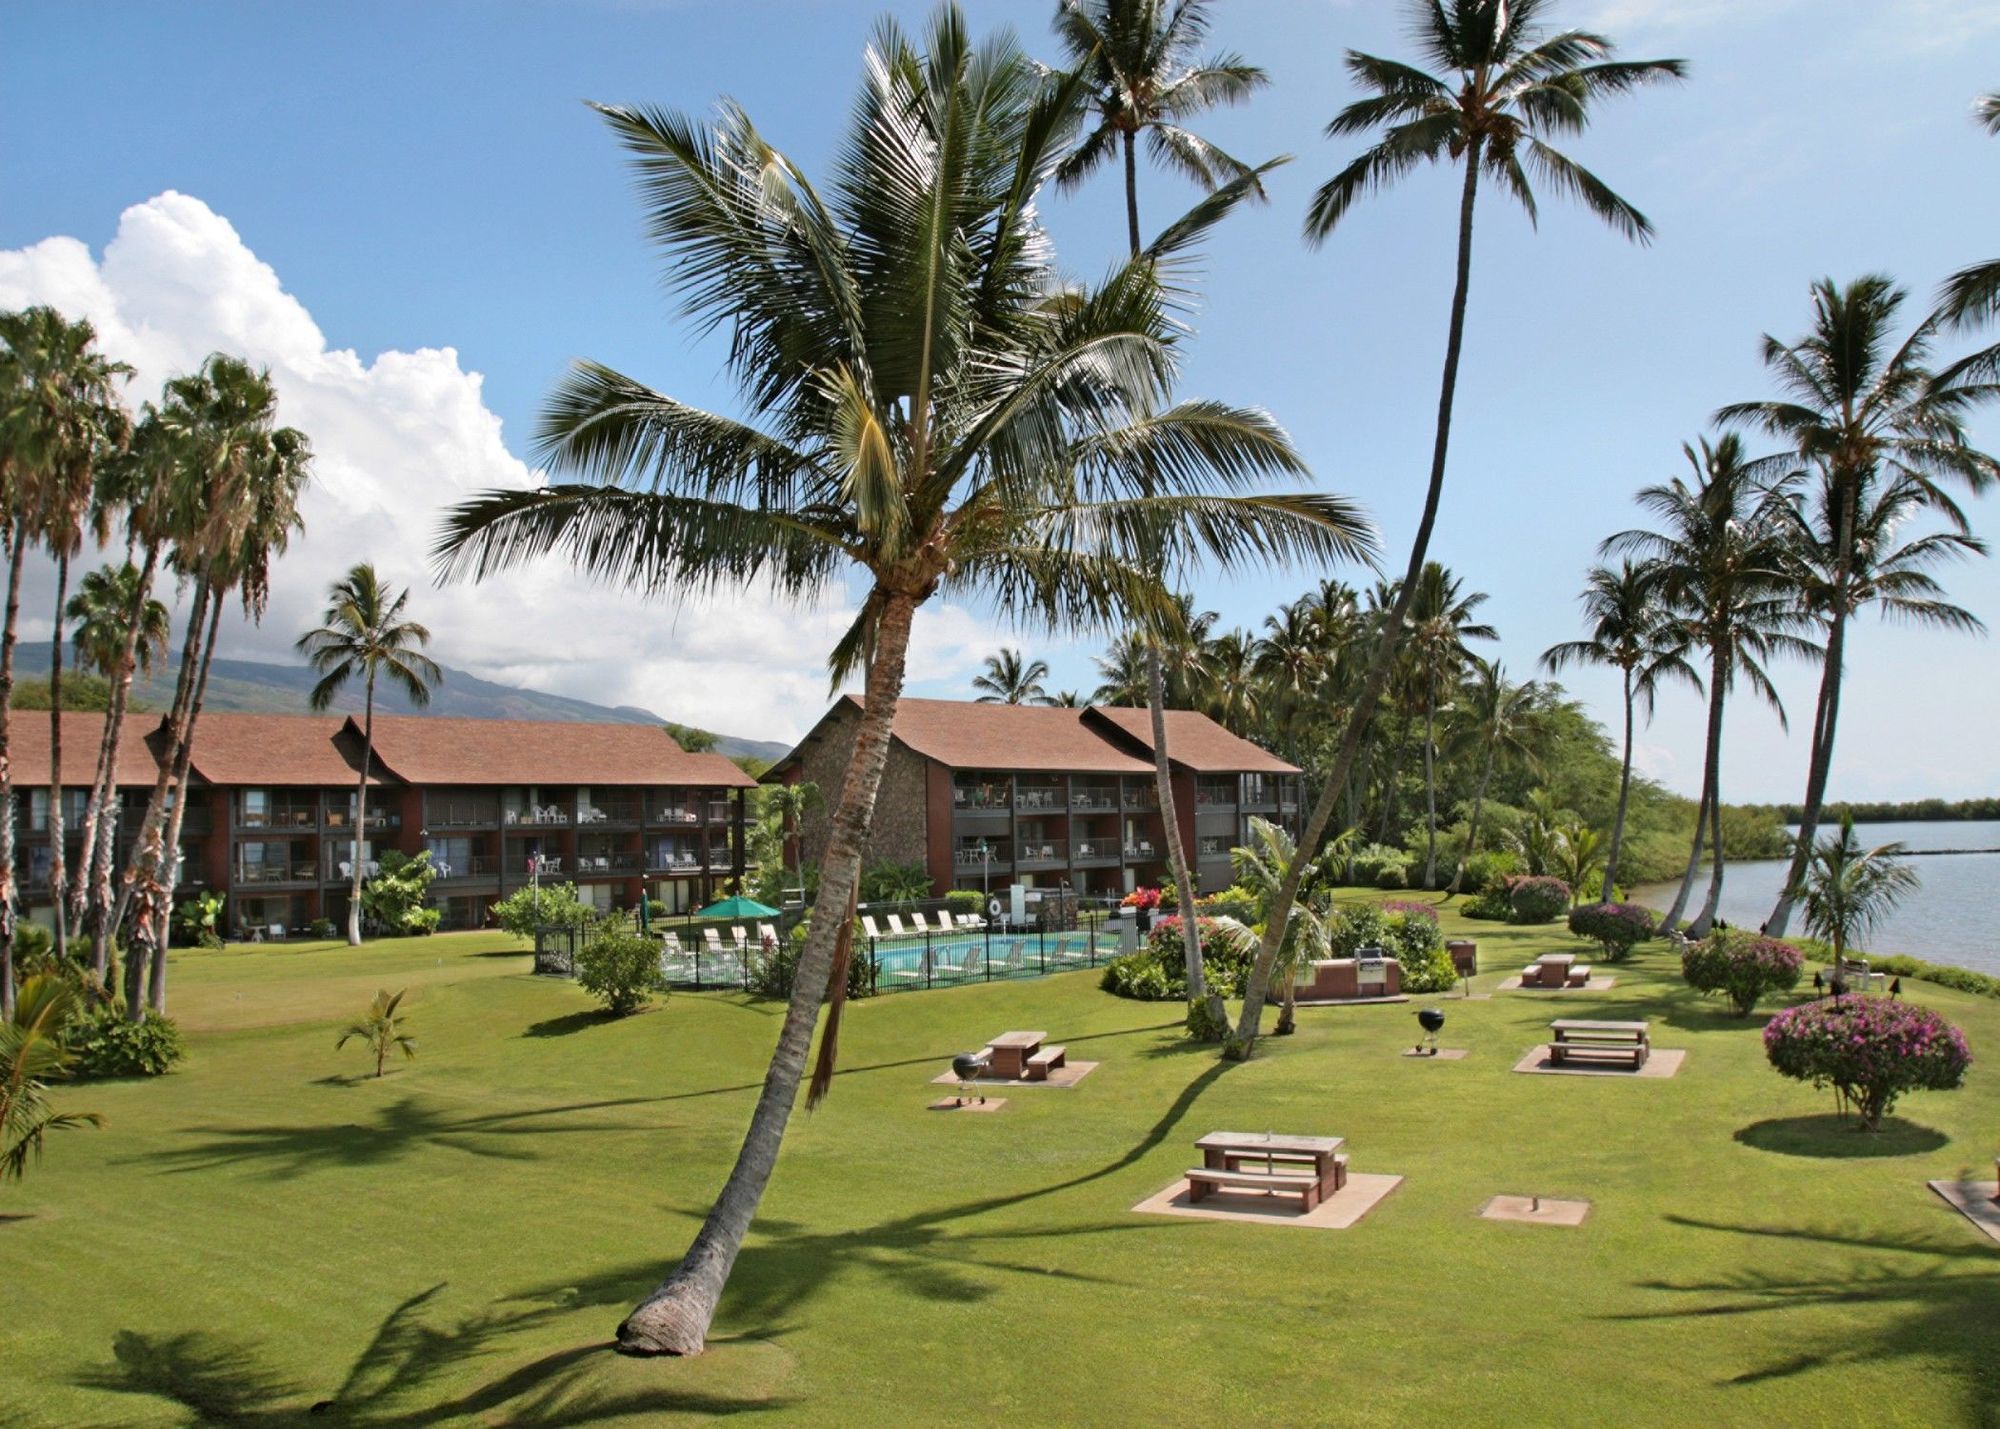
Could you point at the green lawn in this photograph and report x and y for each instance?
(454, 1243)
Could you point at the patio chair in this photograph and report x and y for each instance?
(896, 927)
(739, 940)
(971, 965)
(1016, 959)
(928, 966)
(868, 926)
(768, 936)
(968, 922)
(711, 941)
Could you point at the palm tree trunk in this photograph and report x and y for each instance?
(101, 818)
(13, 618)
(361, 815)
(1711, 765)
(1472, 831)
(1706, 918)
(1430, 786)
(156, 975)
(1624, 797)
(1132, 192)
(1163, 785)
(674, 1319)
(58, 873)
(1245, 1040)
(1392, 786)
(1820, 765)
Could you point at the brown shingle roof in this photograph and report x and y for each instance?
(434, 749)
(1194, 741)
(234, 748)
(965, 735)
(82, 733)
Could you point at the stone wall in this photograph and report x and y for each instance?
(897, 834)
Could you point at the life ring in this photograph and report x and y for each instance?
(993, 907)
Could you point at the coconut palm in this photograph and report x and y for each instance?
(116, 629)
(1260, 866)
(1136, 66)
(364, 634)
(1441, 621)
(1719, 566)
(31, 1053)
(922, 405)
(1507, 85)
(381, 1030)
(1012, 679)
(1578, 848)
(1972, 295)
(1861, 410)
(789, 804)
(1847, 890)
(1632, 635)
(1121, 671)
(1498, 724)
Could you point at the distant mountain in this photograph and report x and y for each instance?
(257, 687)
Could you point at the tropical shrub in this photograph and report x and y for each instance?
(393, 898)
(965, 900)
(1393, 875)
(1233, 902)
(1869, 1050)
(1139, 975)
(1144, 899)
(381, 1030)
(776, 971)
(1490, 869)
(323, 928)
(553, 905)
(621, 970)
(1536, 899)
(1413, 940)
(1490, 904)
(889, 882)
(103, 1044)
(197, 921)
(1157, 971)
(32, 1050)
(1617, 928)
(1408, 905)
(1742, 966)
(1369, 864)
(1354, 926)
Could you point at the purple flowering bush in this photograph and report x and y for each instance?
(1536, 899)
(1869, 1050)
(1616, 927)
(1409, 906)
(1742, 966)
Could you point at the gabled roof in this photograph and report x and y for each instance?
(435, 749)
(278, 749)
(1194, 741)
(82, 735)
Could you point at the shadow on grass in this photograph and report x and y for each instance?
(570, 1022)
(395, 1379)
(1931, 1315)
(1840, 1137)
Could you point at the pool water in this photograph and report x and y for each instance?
(901, 960)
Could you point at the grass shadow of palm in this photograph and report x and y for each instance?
(569, 1023)
(1841, 1138)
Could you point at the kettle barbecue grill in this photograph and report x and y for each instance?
(968, 1067)
(1431, 1019)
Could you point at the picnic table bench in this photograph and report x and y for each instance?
(1009, 1054)
(1614, 1041)
(1322, 1170)
(1556, 970)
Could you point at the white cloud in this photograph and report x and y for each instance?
(399, 438)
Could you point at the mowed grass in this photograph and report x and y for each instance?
(269, 1229)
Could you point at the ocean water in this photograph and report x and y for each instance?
(1951, 918)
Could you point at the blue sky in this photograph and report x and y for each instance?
(394, 198)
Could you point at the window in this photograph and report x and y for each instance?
(257, 808)
(38, 810)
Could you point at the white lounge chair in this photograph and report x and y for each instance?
(868, 926)
(896, 927)
(739, 940)
(927, 967)
(768, 937)
(712, 941)
(969, 921)
(971, 965)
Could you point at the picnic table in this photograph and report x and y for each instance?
(1309, 1166)
(1008, 1054)
(1625, 1041)
(1555, 970)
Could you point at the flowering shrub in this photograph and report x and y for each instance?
(1533, 899)
(1157, 972)
(1356, 925)
(1409, 906)
(1870, 1051)
(1414, 941)
(1742, 966)
(1616, 927)
(1146, 898)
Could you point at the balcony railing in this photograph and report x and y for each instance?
(997, 855)
(1215, 794)
(1142, 799)
(341, 870)
(1035, 797)
(608, 811)
(280, 816)
(982, 799)
(1142, 851)
(1105, 799)
(535, 816)
(673, 861)
(1215, 848)
(461, 813)
(551, 866)
(377, 820)
(480, 865)
(253, 873)
(1043, 851)
(604, 865)
(1096, 850)
(674, 811)
(720, 811)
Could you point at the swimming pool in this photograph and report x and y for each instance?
(902, 963)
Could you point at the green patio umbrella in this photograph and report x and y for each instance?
(737, 906)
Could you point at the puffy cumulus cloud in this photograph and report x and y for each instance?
(398, 439)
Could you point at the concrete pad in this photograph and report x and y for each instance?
(1351, 1001)
(1067, 1075)
(1975, 1201)
(1338, 1212)
(1535, 1210)
(1596, 984)
(954, 1104)
(1663, 1062)
(1443, 1054)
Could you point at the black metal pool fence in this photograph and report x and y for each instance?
(1059, 934)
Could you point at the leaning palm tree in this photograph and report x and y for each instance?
(1718, 565)
(1441, 621)
(1498, 728)
(1632, 635)
(364, 634)
(1010, 678)
(922, 404)
(1861, 410)
(1848, 890)
(31, 1052)
(1506, 84)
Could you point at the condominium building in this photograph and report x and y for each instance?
(270, 816)
(984, 796)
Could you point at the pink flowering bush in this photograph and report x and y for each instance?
(1616, 927)
(1410, 907)
(1869, 1050)
(1147, 898)
(1742, 966)
(1535, 899)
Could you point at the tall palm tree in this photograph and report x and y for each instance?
(1012, 679)
(922, 404)
(1140, 72)
(1631, 634)
(234, 507)
(1848, 889)
(1121, 671)
(1441, 621)
(1860, 409)
(1505, 84)
(1498, 721)
(116, 629)
(1719, 565)
(364, 634)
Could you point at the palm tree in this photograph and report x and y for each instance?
(1631, 634)
(1860, 410)
(1719, 567)
(1848, 890)
(1509, 83)
(789, 804)
(1499, 718)
(1540, 834)
(1577, 850)
(1010, 679)
(1121, 671)
(1972, 295)
(1068, 699)
(31, 1052)
(1440, 624)
(381, 1030)
(1260, 866)
(364, 633)
(923, 404)
(1137, 67)
(233, 508)
(116, 628)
